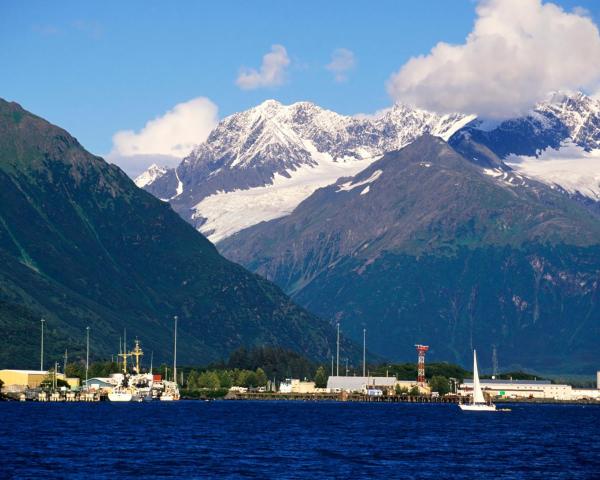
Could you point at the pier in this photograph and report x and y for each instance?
(341, 397)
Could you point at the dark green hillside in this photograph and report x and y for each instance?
(81, 245)
(426, 246)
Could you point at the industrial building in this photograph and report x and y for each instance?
(543, 389)
(359, 384)
(294, 385)
(19, 380)
(101, 383)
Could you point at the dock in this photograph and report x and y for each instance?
(340, 397)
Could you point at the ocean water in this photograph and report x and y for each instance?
(247, 439)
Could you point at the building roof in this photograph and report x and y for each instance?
(102, 382)
(26, 372)
(489, 381)
(358, 383)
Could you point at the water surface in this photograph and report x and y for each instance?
(247, 439)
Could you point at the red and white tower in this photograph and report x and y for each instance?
(421, 349)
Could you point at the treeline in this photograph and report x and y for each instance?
(276, 362)
(96, 369)
(215, 379)
(408, 371)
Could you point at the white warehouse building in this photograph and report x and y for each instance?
(529, 389)
(359, 384)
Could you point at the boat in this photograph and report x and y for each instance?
(119, 395)
(478, 403)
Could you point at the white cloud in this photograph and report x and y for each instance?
(165, 140)
(342, 61)
(271, 73)
(518, 51)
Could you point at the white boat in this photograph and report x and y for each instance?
(120, 396)
(478, 403)
(166, 397)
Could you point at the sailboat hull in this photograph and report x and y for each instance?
(477, 408)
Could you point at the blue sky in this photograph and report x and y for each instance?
(97, 67)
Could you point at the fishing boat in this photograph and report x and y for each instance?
(478, 403)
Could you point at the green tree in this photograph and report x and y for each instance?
(439, 384)
(414, 391)
(251, 380)
(209, 380)
(261, 378)
(320, 378)
(240, 377)
(192, 380)
(401, 390)
(225, 379)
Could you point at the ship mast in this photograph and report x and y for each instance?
(137, 353)
(125, 355)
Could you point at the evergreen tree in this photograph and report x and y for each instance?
(261, 378)
(321, 377)
(440, 384)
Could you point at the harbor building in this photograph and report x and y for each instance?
(541, 389)
(360, 384)
(19, 380)
(295, 385)
(101, 384)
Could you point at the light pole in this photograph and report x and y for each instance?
(87, 354)
(42, 347)
(175, 352)
(364, 351)
(337, 356)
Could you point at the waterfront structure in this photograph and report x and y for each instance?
(19, 380)
(540, 389)
(360, 384)
(295, 385)
(101, 383)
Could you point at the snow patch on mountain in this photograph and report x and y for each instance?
(148, 177)
(229, 212)
(570, 167)
(346, 187)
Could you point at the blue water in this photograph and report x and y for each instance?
(243, 439)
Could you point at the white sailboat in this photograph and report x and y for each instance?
(478, 403)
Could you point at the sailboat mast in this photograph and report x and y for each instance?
(175, 352)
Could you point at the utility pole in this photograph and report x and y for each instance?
(337, 357)
(346, 366)
(364, 351)
(175, 352)
(42, 348)
(87, 353)
(494, 361)
(65, 365)
(55, 379)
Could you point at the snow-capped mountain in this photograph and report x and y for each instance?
(558, 143)
(260, 164)
(153, 173)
